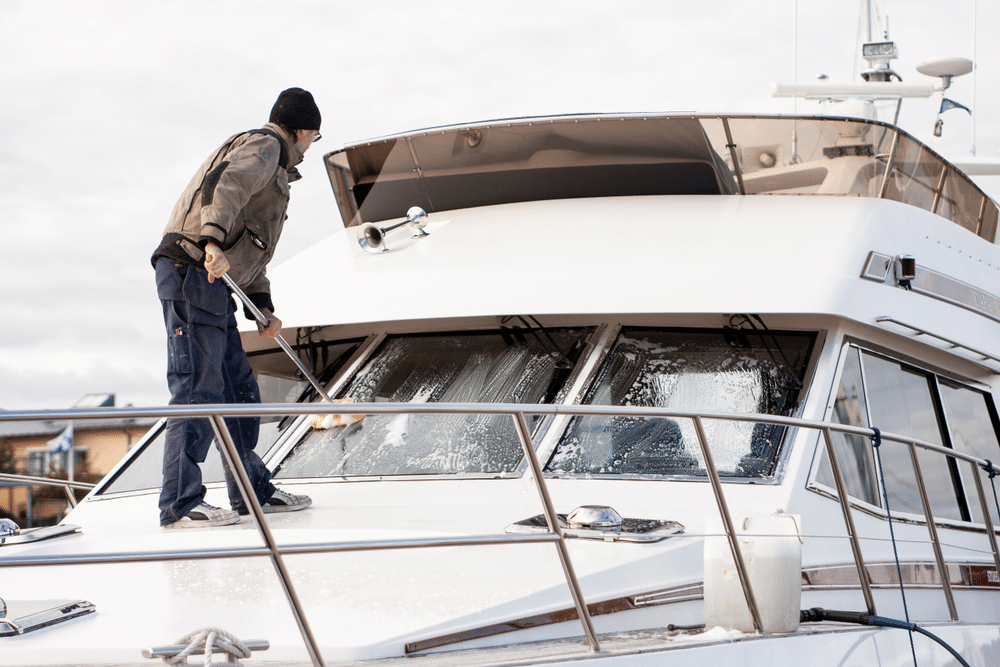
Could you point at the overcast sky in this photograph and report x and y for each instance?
(107, 107)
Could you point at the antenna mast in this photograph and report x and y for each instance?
(975, 59)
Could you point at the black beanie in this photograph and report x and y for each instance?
(296, 110)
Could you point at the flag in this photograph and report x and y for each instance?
(62, 442)
(951, 104)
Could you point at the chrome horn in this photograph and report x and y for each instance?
(371, 237)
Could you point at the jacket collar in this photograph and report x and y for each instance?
(294, 154)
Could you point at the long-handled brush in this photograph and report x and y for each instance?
(315, 421)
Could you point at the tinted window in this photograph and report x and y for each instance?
(854, 452)
(145, 470)
(970, 425)
(900, 399)
(900, 402)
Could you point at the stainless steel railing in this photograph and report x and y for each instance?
(517, 412)
(66, 485)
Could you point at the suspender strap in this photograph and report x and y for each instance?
(283, 158)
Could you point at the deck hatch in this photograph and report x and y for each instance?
(27, 616)
(630, 530)
(26, 535)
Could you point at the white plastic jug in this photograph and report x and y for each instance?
(772, 554)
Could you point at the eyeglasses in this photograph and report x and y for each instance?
(317, 137)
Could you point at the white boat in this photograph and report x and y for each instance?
(622, 378)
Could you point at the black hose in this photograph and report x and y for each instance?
(817, 614)
(903, 625)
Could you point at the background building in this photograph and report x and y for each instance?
(83, 451)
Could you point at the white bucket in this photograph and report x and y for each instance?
(772, 554)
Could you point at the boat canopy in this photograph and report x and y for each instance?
(567, 157)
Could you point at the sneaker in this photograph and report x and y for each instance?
(281, 501)
(205, 515)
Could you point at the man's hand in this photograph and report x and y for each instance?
(215, 261)
(273, 327)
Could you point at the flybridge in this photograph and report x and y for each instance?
(569, 157)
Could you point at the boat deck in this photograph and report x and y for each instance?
(559, 650)
(623, 644)
(716, 646)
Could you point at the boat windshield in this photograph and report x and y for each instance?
(741, 371)
(509, 366)
(737, 369)
(604, 156)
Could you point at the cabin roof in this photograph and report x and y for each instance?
(608, 256)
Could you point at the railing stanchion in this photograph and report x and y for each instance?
(727, 519)
(987, 517)
(524, 435)
(65, 485)
(932, 529)
(70, 496)
(852, 533)
(731, 145)
(250, 500)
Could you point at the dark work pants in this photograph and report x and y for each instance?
(205, 364)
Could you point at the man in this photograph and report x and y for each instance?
(228, 220)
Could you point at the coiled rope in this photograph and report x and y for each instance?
(213, 639)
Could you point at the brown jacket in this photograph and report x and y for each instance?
(238, 198)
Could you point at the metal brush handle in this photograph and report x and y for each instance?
(281, 341)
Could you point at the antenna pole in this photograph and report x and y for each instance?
(868, 20)
(795, 51)
(975, 59)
